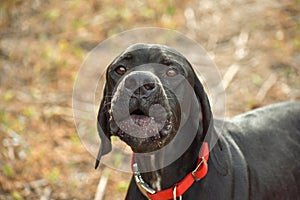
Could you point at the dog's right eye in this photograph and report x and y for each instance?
(120, 70)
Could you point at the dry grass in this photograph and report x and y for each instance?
(43, 44)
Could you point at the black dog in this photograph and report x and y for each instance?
(155, 103)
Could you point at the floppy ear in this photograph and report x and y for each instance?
(220, 154)
(103, 128)
(207, 119)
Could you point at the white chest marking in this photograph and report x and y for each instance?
(156, 177)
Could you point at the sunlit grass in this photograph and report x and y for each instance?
(53, 175)
(8, 171)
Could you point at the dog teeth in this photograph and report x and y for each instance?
(166, 131)
(169, 126)
(156, 137)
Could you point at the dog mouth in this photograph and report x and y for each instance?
(151, 128)
(140, 124)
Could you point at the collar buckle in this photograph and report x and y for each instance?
(203, 161)
(139, 180)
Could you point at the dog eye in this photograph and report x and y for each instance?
(120, 70)
(172, 72)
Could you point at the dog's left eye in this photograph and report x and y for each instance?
(171, 72)
(121, 70)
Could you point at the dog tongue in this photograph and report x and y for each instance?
(140, 126)
(141, 120)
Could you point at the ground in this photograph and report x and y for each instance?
(255, 45)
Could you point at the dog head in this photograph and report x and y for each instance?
(145, 99)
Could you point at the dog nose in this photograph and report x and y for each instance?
(142, 84)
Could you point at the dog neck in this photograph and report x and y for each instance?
(158, 176)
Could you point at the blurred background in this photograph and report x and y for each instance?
(255, 44)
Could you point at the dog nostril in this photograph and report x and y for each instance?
(149, 86)
(130, 83)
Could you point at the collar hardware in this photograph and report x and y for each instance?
(139, 180)
(203, 161)
(179, 188)
(174, 194)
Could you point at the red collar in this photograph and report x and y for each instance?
(179, 188)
